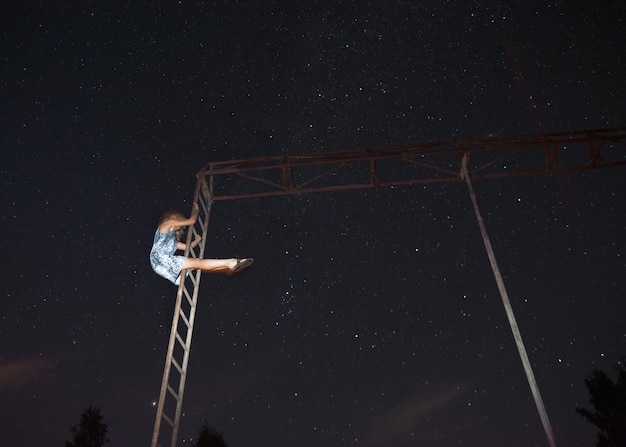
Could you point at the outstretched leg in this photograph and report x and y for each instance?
(229, 265)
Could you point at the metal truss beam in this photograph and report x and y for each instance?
(381, 167)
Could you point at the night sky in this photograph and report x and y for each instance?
(366, 321)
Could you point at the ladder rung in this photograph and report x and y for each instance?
(182, 343)
(172, 392)
(178, 367)
(193, 281)
(168, 420)
(184, 317)
(189, 300)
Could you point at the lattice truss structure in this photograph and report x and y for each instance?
(414, 164)
(446, 161)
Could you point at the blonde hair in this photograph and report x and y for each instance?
(173, 214)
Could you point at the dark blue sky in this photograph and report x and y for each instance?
(365, 321)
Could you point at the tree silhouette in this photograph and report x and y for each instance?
(210, 437)
(608, 399)
(90, 431)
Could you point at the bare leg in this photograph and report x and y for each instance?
(211, 265)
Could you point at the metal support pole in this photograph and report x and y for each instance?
(507, 306)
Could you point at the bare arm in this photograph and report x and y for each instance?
(169, 225)
(194, 243)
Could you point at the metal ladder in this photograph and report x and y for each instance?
(170, 403)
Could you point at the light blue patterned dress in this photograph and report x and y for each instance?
(162, 258)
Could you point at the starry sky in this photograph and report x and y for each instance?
(366, 321)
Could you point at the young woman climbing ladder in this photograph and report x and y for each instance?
(167, 240)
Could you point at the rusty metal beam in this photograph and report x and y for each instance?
(434, 162)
